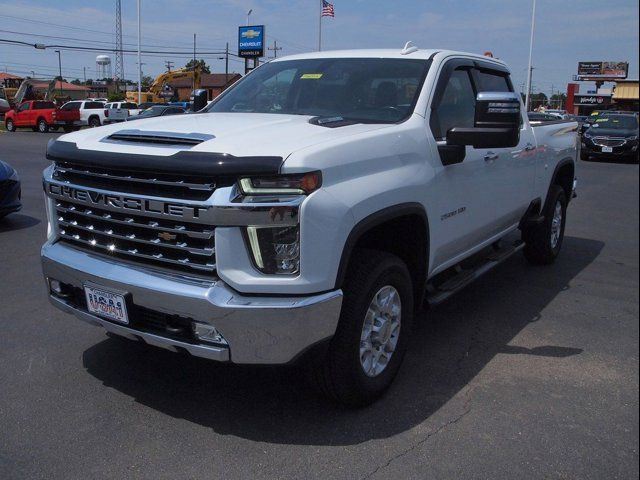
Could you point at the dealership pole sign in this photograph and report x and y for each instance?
(602, 70)
(251, 41)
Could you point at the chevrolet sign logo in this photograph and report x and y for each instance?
(250, 34)
(167, 236)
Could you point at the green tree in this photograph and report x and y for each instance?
(76, 81)
(201, 64)
(116, 97)
(147, 81)
(558, 100)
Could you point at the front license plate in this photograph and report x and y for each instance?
(607, 149)
(106, 304)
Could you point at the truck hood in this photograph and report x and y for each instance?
(237, 134)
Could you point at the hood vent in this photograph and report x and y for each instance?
(158, 138)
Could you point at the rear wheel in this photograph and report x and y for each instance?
(366, 352)
(544, 241)
(9, 125)
(94, 122)
(43, 126)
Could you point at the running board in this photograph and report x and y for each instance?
(462, 278)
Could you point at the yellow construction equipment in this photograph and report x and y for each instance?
(161, 90)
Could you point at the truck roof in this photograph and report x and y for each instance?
(386, 53)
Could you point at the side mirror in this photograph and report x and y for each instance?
(496, 123)
(198, 99)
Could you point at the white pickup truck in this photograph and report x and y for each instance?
(308, 212)
(91, 113)
(119, 111)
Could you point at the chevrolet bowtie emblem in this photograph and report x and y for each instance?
(167, 236)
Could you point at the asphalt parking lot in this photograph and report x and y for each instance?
(528, 373)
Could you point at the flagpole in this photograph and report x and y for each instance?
(320, 28)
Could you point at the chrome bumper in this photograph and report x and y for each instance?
(257, 329)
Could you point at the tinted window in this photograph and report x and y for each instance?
(43, 105)
(457, 106)
(173, 111)
(71, 106)
(492, 82)
(93, 105)
(129, 105)
(377, 90)
(23, 107)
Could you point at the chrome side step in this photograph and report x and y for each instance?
(463, 277)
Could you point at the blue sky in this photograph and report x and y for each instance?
(566, 32)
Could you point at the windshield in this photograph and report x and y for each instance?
(617, 122)
(151, 112)
(373, 90)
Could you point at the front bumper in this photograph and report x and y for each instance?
(629, 148)
(255, 329)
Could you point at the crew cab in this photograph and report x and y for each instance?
(119, 111)
(308, 212)
(91, 113)
(39, 115)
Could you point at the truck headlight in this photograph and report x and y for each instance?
(297, 184)
(275, 250)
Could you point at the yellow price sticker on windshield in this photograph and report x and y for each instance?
(311, 76)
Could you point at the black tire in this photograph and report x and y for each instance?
(43, 126)
(9, 125)
(67, 129)
(539, 246)
(338, 372)
(94, 122)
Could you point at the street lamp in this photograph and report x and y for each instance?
(248, 15)
(60, 69)
(530, 68)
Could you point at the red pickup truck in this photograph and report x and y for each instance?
(41, 116)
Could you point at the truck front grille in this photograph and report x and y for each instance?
(173, 244)
(138, 183)
(609, 142)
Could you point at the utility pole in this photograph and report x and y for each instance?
(226, 64)
(194, 62)
(84, 74)
(60, 69)
(275, 49)
(139, 60)
(529, 88)
(168, 64)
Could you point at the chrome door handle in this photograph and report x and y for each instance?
(490, 156)
(529, 147)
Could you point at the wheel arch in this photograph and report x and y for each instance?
(389, 230)
(563, 175)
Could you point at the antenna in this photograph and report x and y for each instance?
(119, 69)
(409, 47)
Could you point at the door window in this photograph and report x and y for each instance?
(23, 107)
(457, 106)
(492, 82)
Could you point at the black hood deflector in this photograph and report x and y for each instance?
(184, 162)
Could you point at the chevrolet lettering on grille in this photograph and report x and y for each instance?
(89, 197)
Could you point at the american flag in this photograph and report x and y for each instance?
(327, 9)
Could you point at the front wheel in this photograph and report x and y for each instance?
(10, 126)
(543, 242)
(367, 349)
(43, 126)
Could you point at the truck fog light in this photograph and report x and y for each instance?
(275, 250)
(55, 286)
(207, 332)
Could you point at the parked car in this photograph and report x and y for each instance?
(115, 112)
(611, 136)
(10, 192)
(158, 111)
(185, 105)
(40, 116)
(4, 103)
(91, 112)
(143, 106)
(307, 222)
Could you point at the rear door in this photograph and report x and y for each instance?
(513, 169)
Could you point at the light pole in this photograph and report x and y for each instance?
(248, 15)
(60, 69)
(530, 68)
